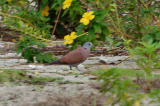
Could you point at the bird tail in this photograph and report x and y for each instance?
(53, 62)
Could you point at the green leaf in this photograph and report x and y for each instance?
(45, 57)
(79, 29)
(97, 28)
(2, 2)
(91, 35)
(106, 31)
(103, 37)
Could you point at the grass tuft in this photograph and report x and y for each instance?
(17, 76)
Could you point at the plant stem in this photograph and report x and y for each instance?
(54, 29)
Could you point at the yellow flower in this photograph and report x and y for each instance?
(84, 21)
(68, 39)
(87, 17)
(137, 103)
(68, 42)
(73, 35)
(67, 4)
(45, 11)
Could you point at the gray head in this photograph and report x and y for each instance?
(87, 45)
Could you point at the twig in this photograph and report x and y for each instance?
(56, 22)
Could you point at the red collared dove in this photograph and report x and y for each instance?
(75, 57)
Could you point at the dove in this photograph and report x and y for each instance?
(75, 57)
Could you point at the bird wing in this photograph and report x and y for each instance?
(75, 56)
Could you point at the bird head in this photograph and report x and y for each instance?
(87, 45)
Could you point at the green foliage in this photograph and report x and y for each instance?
(120, 86)
(133, 19)
(30, 41)
(120, 81)
(155, 95)
(96, 30)
(125, 19)
(147, 56)
(113, 42)
(152, 33)
(113, 76)
(12, 75)
(29, 47)
(34, 19)
(45, 57)
(17, 76)
(32, 27)
(41, 80)
(121, 72)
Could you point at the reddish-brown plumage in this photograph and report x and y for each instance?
(76, 56)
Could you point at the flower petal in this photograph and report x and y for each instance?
(90, 12)
(73, 33)
(67, 37)
(84, 21)
(91, 17)
(67, 4)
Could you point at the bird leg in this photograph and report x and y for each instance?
(70, 67)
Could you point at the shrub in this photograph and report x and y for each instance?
(147, 57)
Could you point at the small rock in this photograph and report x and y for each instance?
(81, 67)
